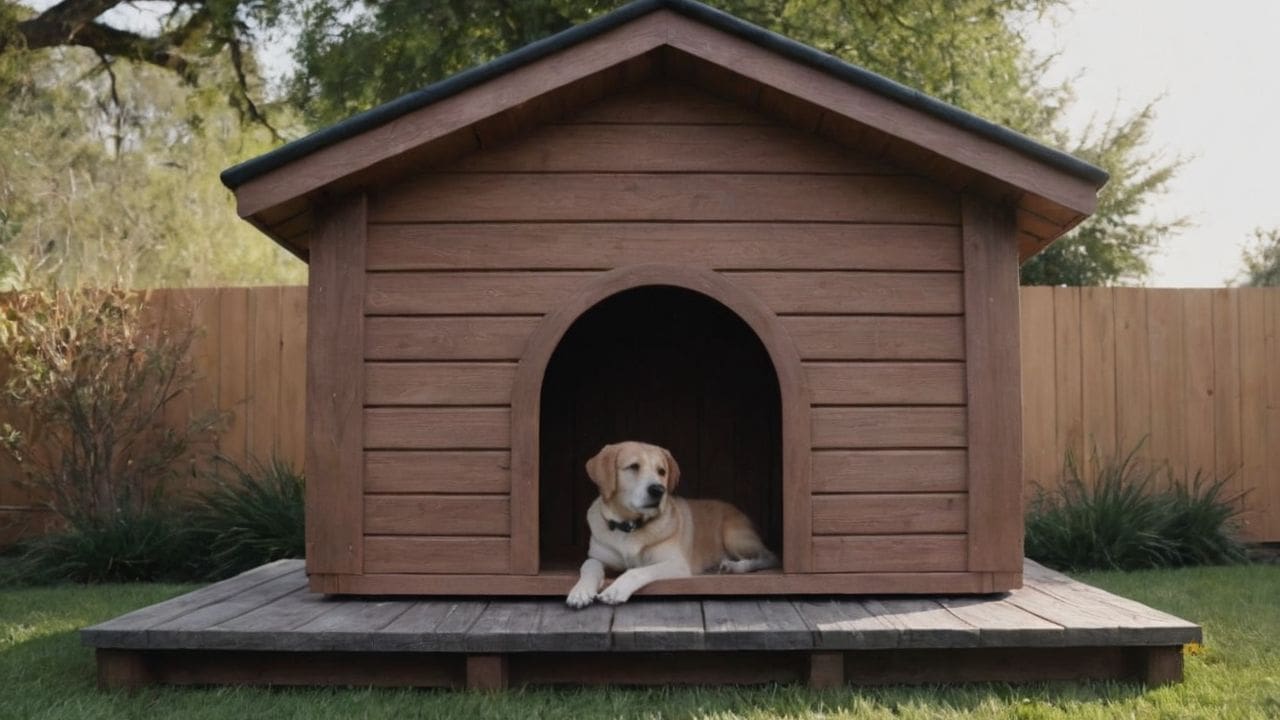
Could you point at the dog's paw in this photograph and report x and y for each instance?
(734, 566)
(614, 595)
(580, 597)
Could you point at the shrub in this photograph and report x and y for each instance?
(253, 518)
(93, 378)
(1123, 519)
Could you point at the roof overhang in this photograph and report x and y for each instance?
(1053, 191)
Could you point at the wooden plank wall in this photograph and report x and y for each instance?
(1087, 373)
(1193, 374)
(861, 261)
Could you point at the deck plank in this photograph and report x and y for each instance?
(429, 626)
(129, 630)
(192, 630)
(1132, 619)
(561, 627)
(649, 624)
(270, 627)
(923, 623)
(507, 626)
(1001, 624)
(847, 625)
(755, 625)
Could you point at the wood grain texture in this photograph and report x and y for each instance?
(665, 101)
(437, 428)
(635, 196)
(447, 338)
(889, 427)
(886, 383)
(437, 555)
(438, 383)
(1041, 462)
(877, 338)
(526, 401)
(994, 386)
(437, 515)
(516, 293)
(889, 514)
(437, 471)
(335, 338)
(897, 582)
(719, 246)
(869, 109)
(895, 471)
(889, 553)
(686, 148)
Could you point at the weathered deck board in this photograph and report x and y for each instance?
(269, 609)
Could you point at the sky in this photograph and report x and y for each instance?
(1213, 67)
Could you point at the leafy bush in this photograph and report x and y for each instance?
(93, 378)
(1125, 520)
(253, 518)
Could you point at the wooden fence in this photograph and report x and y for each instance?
(1194, 374)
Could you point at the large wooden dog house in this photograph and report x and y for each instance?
(668, 225)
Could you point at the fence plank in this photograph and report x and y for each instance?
(1098, 370)
(1165, 340)
(1066, 331)
(1133, 368)
(1254, 371)
(233, 371)
(1227, 376)
(1041, 462)
(1198, 361)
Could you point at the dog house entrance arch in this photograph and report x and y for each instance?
(527, 401)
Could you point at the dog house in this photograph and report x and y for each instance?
(666, 225)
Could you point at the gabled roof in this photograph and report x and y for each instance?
(1053, 190)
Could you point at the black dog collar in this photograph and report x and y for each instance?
(627, 525)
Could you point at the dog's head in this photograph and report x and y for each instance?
(634, 477)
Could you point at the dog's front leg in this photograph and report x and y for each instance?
(590, 579)
(632, 580)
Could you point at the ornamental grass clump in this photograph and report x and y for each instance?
(1124, 515)
(250, 516)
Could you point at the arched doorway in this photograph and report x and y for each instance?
(715, 294)
(672, 367)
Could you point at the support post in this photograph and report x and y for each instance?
(826, 670)
(487, 672)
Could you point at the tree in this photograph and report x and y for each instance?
(1261, 258)
(112, 179)
(353, 55)
(182, 37)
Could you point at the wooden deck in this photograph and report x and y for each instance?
(265, 627)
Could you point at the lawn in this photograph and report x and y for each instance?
(45, 673)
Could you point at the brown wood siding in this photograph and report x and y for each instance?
(861, 262)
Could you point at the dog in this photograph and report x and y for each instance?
(639, 528)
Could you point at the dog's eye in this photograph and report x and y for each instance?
(662, 472)
(634, 466)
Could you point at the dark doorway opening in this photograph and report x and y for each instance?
(668, 366)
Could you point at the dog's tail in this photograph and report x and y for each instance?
(747, 553)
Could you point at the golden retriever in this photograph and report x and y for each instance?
(639, 528)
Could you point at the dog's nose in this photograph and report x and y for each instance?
(656, 491)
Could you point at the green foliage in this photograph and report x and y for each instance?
(114, 180)
(252, 518)
(1261, 258)
(1115, 243)
(92, 378)
(1120, 518)
(134, 546)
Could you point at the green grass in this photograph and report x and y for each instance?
(45, 673)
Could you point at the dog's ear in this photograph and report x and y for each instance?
(603, 470)
(673, 470)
